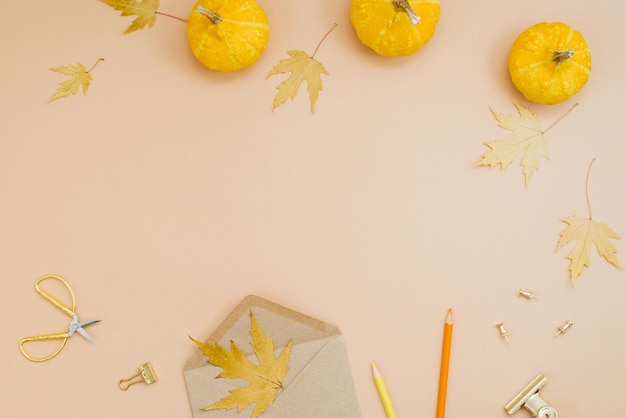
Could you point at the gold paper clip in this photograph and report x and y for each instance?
(147, 375)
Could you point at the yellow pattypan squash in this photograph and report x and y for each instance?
(549, 62)
(394, 27)
(227, 35)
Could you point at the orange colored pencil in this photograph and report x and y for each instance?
(445, 364)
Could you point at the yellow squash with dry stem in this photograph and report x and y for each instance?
(227, 35)
(394, 27)
(549, 62)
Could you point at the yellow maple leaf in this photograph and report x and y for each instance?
(302, 68)
(79, 77)
(144, 10)
(585, 231)
(527, 139)
(265, 378)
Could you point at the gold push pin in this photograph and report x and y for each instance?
(146, 374)
(503, 332)
(527, 294)
(564, 328)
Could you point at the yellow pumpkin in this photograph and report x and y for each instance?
(394, 27)
(549, 62)
(227, 35)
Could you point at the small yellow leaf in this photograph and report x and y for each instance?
(527, 138)
(79, 77)
(586, 232)
(302, 68)
(265, 378)
(144, 10)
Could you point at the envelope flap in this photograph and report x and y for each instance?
(315, 344)
(328, 383)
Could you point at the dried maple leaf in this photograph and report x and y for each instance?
(79, 77)
(144, 10)
(585, 231)
(265, 377)
(302, 68)
(527, 138)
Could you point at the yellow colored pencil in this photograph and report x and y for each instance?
(382, 391)
(445, 364)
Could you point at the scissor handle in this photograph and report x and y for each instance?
(69, 311)
(51, 298)
(36, 338)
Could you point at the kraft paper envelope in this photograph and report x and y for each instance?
(318, 383)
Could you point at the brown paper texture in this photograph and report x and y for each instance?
(318, 383)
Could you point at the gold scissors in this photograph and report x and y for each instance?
(75, 325)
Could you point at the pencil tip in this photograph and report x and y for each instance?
(375, 371)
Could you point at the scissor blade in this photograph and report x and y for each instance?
(76, 326)
(84, 333)
(87, 323)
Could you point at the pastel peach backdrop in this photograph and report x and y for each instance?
(169, 192)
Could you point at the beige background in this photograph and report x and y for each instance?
(170, 192)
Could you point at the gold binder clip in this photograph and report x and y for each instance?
(147, 375)
(529, 398)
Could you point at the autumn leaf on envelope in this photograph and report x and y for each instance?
(79, 77)
(527, 139)
(144, 11)
(585, 231)
(265, 378)
(302, 68)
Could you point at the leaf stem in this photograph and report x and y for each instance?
(94, 66)
(559, 119)
(172, 16)
(405, 6)
(322, 40)
(587, 187)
